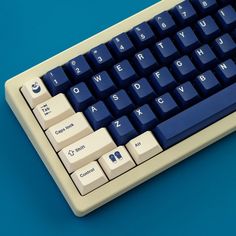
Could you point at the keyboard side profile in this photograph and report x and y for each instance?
(178, 143)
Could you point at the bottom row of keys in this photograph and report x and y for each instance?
(115, 162)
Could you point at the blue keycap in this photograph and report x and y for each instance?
(162, 80)
(78, 68)
(224, 46)
(196, 117)
(187, 40)
(100, 56)
(122, 46)
(143, 118)
(227, 17)
(226, 71)
(184, 12)
(56, 81)
(145, 62)
(122, 130)
(142, 35)
(207, 83)
(165, 106)
(166, 51)
(80, 96)
(124, 73)
(141, 91)
(98, 115)
(205, 6)
(207, 28)
(102, 84)
(204, 57)
(186, 94)
(163, 23)
(120, 103)
(184, 69)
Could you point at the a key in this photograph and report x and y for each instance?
(122, 130)
(144, 118)
(162, 80)
(186, 94)
(187, 40)
(141, 91)
(102, 84)
(124, 73)
(80, 96)
(35, 92)
(89, 177)
(98, 115)
(53, 111)
(87, 149)
(78, 68)
(166, 51)
(56, 81)
(68, 131)
(207, 83)
(196, 117)
(143, 147)
(116, 162)
(122, 46)
(165, 106)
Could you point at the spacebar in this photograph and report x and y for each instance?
(197, 117)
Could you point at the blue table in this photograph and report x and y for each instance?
(196, 197)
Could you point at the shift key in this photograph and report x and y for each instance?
(86, 150)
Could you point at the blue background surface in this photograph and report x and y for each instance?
(196, 197)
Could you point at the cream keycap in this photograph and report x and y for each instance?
(116, 162)
(35, 92)
(68, 131)
(143, 147)
(89, 177)
(53, 111)
(87, 149)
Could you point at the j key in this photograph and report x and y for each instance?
(207, 28)
(207, 83)
(120, 103)
(145, 62)
(227, 17)
(197, 117)
(224, 46)
(165, 106)
(122, 46)
(122, 130)
(144, 118)
(205, 6)
(186, 94)
(184, 13)
(162, 80)
(226, 71)
(141, 91)
(98, 115)
(78, 68)
(80, 96)
(102, 84)
(143, 147)
(184, 69)
(163, 23)
(56, 81)
(204, 57)
(100, 56)
(142, 35)
(187, 40)
(166, 51)
(124, 73)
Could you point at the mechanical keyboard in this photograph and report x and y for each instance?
(130, 102)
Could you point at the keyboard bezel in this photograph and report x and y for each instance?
(82, 205)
